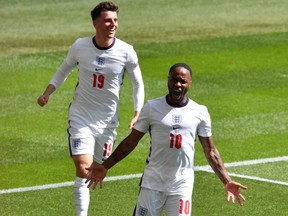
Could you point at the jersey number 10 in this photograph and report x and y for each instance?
(175, 141)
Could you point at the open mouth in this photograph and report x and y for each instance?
(176, 94)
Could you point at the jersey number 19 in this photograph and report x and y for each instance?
(98, 81)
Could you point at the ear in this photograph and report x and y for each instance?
(94, 23)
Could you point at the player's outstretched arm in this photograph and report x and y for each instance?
(214, 159)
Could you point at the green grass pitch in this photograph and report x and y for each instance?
(238, 54)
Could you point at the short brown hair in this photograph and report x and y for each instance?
(103, 6)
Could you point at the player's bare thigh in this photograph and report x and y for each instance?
(82, 162)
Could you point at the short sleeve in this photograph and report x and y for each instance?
(143, 122)
(204, 128)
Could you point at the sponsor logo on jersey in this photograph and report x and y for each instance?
(176, 127)
(176, 119)
(98, 69)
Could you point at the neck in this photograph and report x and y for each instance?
(183, 103)
(103, 42)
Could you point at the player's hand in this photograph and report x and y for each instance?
(42, 100)
(232, 191)
(133, 121)
(96, 175)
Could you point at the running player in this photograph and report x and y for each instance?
(174, 122)
(102, 61)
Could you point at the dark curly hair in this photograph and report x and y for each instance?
(103, 6)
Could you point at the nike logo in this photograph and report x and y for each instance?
(98, 69)
(176, 127)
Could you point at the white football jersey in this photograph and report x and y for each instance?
(100, 76)
(173, 130)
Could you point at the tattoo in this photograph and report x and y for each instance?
(215, 161)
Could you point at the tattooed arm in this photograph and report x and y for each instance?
(214, 159)
(216, 163)
(98, 172)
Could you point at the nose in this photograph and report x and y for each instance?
(114, 22)
(177, 84)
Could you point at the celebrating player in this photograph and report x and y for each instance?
(174, 122)
(93, 115)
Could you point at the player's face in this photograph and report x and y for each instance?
(179, 82)
(107, 24)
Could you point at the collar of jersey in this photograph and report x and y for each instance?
(177, 105)
(102, 48)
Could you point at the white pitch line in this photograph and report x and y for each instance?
(259, 179)
(33, 188)
(64, 184)
(197, 168)
(246, 163)
(248, 177)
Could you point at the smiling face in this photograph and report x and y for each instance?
(106, 25)
(179, 81)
